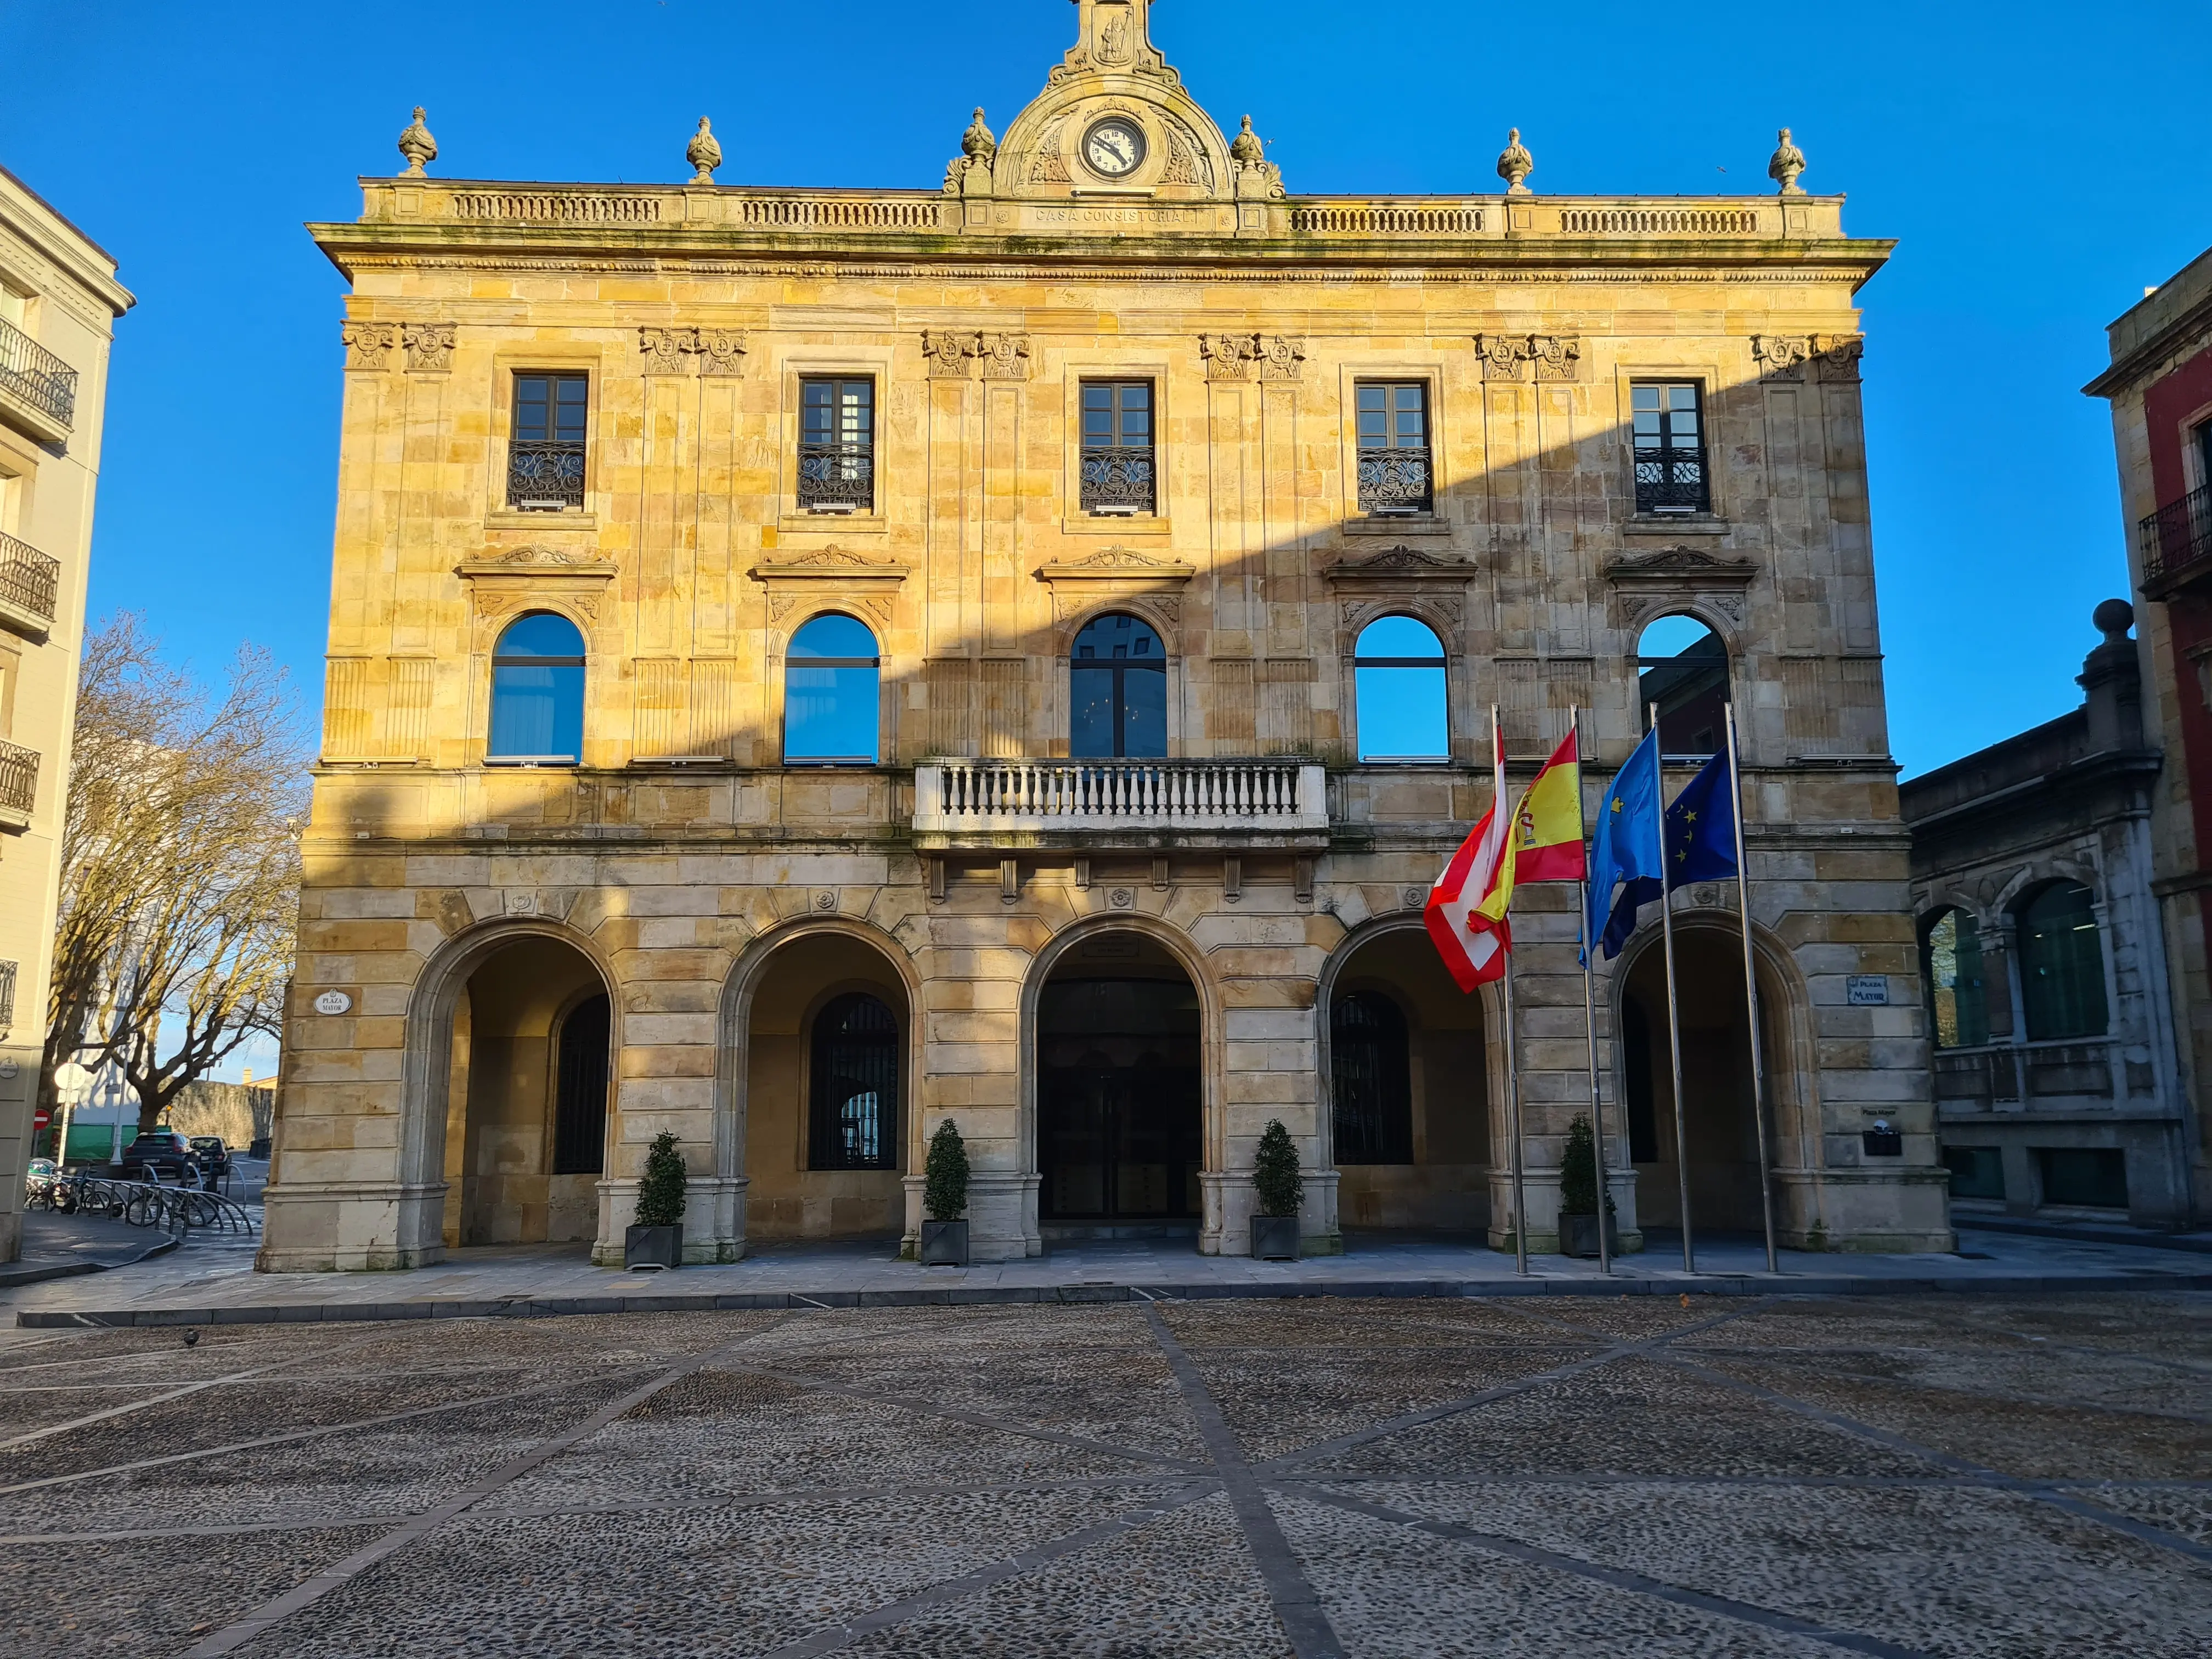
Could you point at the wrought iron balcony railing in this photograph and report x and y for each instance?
(1672, 481)
(836, 477)
(18, 780)
(1121, 481)
(34, 373)
(1395, 480)
(1227, 800)
(2177, 544)
(544, 475)
(30, 582)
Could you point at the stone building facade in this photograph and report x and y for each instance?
(2042, 950)
(805, 665)
(2159, 385)
(58, 303)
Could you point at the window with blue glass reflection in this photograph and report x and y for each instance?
(831, 680)
(1117, 692)
(1398, 681)
(537, 692)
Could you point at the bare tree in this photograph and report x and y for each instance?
(180, 865)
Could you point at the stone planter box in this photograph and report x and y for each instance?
(653, 1247)
(1578, 1235)
(944, 1243)
(1275, 1237)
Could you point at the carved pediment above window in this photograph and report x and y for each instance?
(1401, 566)
(832, 574)
(1648, 583)
(537, 557)
(504, 579)
(1116, 573)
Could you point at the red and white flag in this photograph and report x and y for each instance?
(1474, 946)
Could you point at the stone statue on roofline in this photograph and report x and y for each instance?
(1257, 177)
(417, 146)
(1789, 161)
(704, 153)
(1515, 165)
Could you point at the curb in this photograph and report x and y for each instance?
(11, 1277)
(314, 1313)
(2195, 1243)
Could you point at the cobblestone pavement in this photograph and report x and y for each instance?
(1676, 1476)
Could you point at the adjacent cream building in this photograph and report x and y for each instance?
(807, 664)
(58, 303)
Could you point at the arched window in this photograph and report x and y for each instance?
(831, 679)
(852, 1123)
(1951, 959)
(1371, 1071)
(2062, 964)
(1682, 666)
(537, 692)
(1117, 692)
(1398, 688)
(579, 1096)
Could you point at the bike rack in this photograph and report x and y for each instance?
(175, 1210)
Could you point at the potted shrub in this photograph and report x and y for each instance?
(1578, 1196)
(1275, 1181)
(944, 1200)
(656, 1238)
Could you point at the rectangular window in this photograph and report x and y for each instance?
(1976, 1171)
(2200, 440)
(545, 460)
(1671, 475)
(1395, 473)
(1119, 476)
(2083, 1177)
(837, 446)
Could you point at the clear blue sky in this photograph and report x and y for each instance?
(2039, 164)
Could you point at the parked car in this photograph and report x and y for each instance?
(213, 1155)
(161, 1155)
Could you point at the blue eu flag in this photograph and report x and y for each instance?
(1626, 853)
(1701, 827)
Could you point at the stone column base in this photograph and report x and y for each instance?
(351, 1227)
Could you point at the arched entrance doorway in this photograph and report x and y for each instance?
(1720, 1130)
(527, 1096)
(828, 1119)
(1408, 1096)
(1120, 1109)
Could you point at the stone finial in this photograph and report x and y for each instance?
(1245, 149)
(703, 153)
(978, 144)
(417, 146)
(1788, 162)
(2112, 619)
(1515, 165)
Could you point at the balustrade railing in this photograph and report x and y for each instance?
(1395, 480)
(1259, 795)
(1120, 480)
(1672, 481)
(29, 581)
(19, 778)
(2177, 541)
(836, 477)
(36, 375)
(544, 474)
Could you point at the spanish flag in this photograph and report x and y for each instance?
(1546, 840)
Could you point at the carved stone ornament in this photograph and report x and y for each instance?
(1781, 357)
(721, 351)
(1556, 355)
(703, 153)
(416, 144)
(1116, 573)
(369, 345)
(1786, 164)
(1281, 358)
(853, 579)
(1400, 564)
(1675, 576)
(430, 347)
(503, 579)
(1116, 37)
(972, 171)
(952, 353)
(1515, 165)
(1257, 178)
(1227, 354)
(537, 553)
(682, 351)
(1502, 354)
(1836, 357)
(1005, 356)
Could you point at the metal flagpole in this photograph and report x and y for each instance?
(1751, 994)
(1674, 1012)
(1589, 1020)
(1512, 1065)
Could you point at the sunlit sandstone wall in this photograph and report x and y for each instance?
(679, 854)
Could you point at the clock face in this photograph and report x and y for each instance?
(1114, 147)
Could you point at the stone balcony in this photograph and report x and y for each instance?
(1270, 804)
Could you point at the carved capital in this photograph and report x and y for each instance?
(1836, 357)
(952, 353)
(1229, 356)
(1502, 356)
(1781, 357)
(1005, 356)
(1557, 356)
(721, 351)
(668, 350)
(369, 345)
(430, 347)
(1281, 358)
